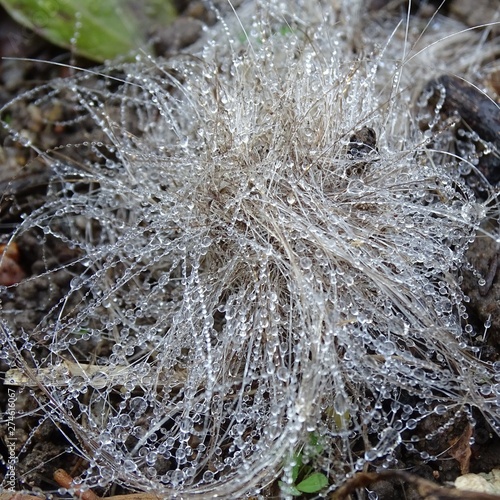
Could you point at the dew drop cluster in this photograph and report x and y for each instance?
(241, 277)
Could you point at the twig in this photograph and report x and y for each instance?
(426, 489)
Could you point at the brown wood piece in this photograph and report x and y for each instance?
(7, 495)
(62, 478)
(426, 489)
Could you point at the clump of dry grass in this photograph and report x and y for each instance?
(257, 262)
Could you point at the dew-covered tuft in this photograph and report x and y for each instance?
(248, 269)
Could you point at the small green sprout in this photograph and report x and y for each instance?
(304, 478)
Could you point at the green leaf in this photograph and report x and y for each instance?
(97, 29)
(289, 489)
(297, 458)
(315, 443)
(313, 483)
(285, 30)
(341, 420)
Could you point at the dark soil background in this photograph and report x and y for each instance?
(23, 186)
